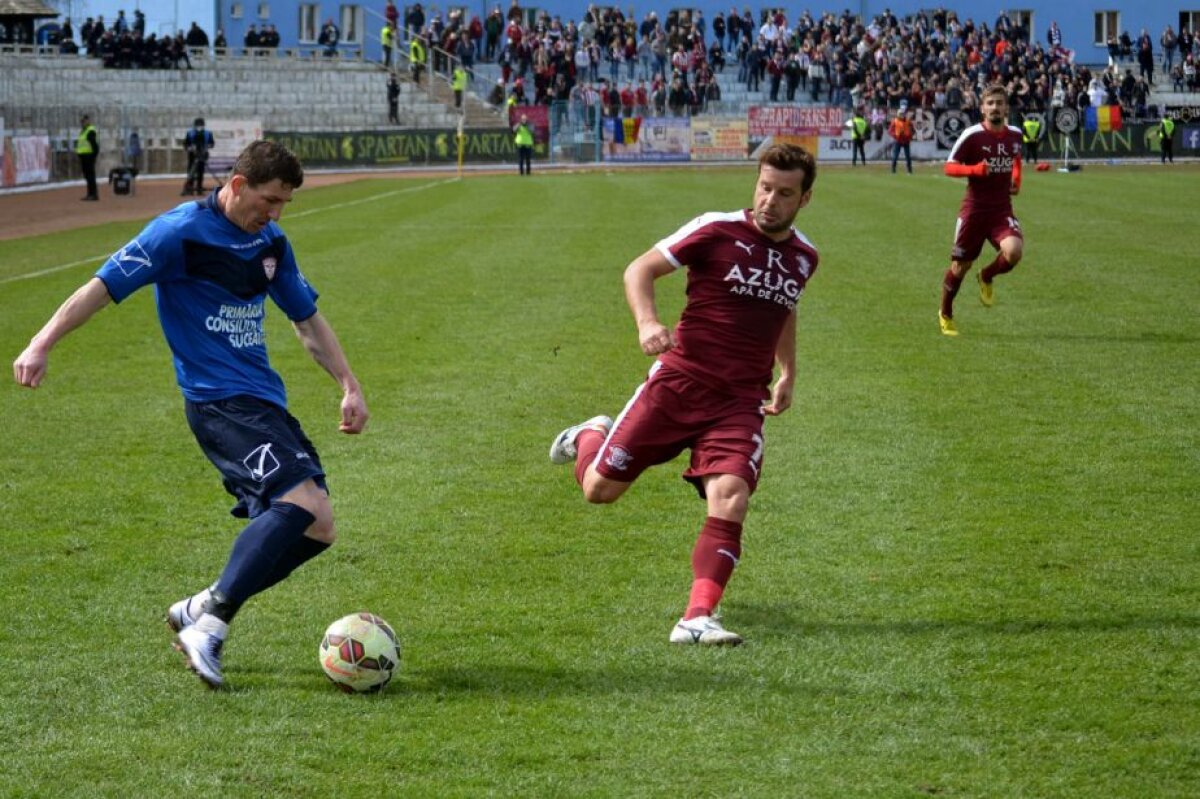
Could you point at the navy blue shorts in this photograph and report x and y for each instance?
(257, 446)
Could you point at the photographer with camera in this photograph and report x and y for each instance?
(197, 142)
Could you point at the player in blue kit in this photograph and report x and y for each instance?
(213, 263)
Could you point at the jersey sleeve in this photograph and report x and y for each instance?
(289, 290)
(962, 152)
(685, 245)
(150, 257)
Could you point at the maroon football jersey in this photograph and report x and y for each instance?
(741, 288)
(1000, 150)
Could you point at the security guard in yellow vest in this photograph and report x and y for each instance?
(1032, 138)
(416, 58)
(458, 82)
(523, 138)
(858, 135)
(387, 37)
(1166, 141)
(87, 147)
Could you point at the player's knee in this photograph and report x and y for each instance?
(731, 506)
(323, 530)
(313, 499)
(728, 498)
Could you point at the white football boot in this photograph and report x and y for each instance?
(563, 449)
(201, 644)
(704, 630)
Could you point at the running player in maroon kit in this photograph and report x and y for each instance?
(710, 387)
(989, 156)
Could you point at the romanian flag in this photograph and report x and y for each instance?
(625, 131)
(1103, 119)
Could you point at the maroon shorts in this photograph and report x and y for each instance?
(975, 227)
(671, 412)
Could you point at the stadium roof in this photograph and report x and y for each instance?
(26, 8)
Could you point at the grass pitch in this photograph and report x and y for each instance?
(971, 569)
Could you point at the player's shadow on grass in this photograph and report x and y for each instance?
(528, 680)
(770, 621)
(656, 680)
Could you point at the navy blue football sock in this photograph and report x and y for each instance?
(304, 550)
(257, 551)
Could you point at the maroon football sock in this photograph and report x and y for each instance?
(587, 444)
(996, 267)
(716, 553)
(950, 284)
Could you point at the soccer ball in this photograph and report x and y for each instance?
(360, 653)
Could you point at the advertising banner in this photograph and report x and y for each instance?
(401, 147)
(791, 124)
(788, 120)
(1132, 141)
(26, 160)
(1183, 113)
(666, 139)
(230, 137)
(658, 139)
(719, 139)
(841, 148)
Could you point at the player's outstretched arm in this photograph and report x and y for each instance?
(655, 337)
(1016, 176)
(322, 344)
(954, 169)
(785, 357)
(29, 368)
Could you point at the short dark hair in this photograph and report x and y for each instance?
(790, 157)
(263, 161)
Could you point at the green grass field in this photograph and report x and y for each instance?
(972, 568)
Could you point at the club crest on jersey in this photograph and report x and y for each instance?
(261, 462)
(269, 267)
(131, 258)
(618, 458)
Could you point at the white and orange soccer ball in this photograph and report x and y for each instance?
(360, 653)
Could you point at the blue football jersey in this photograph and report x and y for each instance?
(211, 281)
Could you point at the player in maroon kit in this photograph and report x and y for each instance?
(988, 155)
(710, 387)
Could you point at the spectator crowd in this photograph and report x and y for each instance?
(125, 45)
(673, 66)
(618, 66)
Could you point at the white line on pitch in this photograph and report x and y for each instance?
(100, 258)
